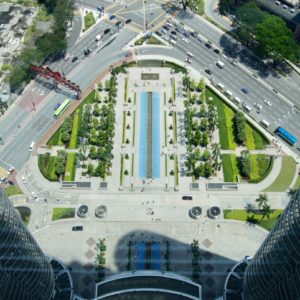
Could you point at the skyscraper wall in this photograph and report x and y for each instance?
(274, 272)
(25, 272)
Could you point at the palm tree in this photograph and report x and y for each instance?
(261, 201)
(266, 211)
(251, 220)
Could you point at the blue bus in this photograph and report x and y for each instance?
(288, 137)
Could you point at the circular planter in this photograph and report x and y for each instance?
(214, 212)
(195, 212)
(101, 211)
(82, 211)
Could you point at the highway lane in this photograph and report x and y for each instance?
(283, 115)
(288, 86)
(35, 123)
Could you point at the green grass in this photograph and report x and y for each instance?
(173, 90)
(70, 167)
(46, 165)
(132, 164)
(124, 128)
(297, 184)
(198, 7)
(153, 41)
(254, 174)
(55, 139)
(285, 176)
(165, 120)
(42, 15)
(126, 90)
(12, 190)
(259, 140)
(89, 20)
(241, 215)
(250, 143)
(59, 213)
(176, 170)
(229, 113)
(165, 98)
(175, 127)
(230, 169)
(133, 129)
(166, 166)
(122, 170)
(134, 98)
(25, 213)
(74, 134)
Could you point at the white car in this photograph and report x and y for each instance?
(189, 54)
(258, 106)
(23, 179)
(188, 60)
(34, 195)
(166, 37)
(185, 40)
(67, 56)
(268, 102)
(99, 43)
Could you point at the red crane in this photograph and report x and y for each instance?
(47, 73)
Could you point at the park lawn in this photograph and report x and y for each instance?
(132, 164)
(254, 174)
(176, 170)
(264, 164)
(89, 20)
(70, 167)
(153, 41)
(199, 7)
(165, 120)
(74, 134)
(12, 190)
(62, 213)
(242, 215)
(259, 140)
(46, 165)
(133, 130)
(52, 176)
(229, 114)
(122, 170)
(230, 169)
(173, 90)
(124, 128)
(285, 176)
(55, 139)
(175, 127)
(250, 143)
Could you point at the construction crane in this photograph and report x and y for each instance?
(57, 77)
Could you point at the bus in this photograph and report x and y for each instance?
(62, 108)
(283, 133)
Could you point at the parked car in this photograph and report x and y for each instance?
(187, 198)
(75, 58)
(77, 228)
(194, 34)
(185, 40)
(258, 106)
(188, 60)
(67, 56)
(186, 34)
(158, 33)
(24, 181)
(173, 32)
(34, 195)
(217, 51)
(267, 102)
(208, 71)
(190, 54)
(128, 21)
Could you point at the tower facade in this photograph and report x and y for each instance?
(274, 272)
(25, 272)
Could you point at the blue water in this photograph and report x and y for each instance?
(143, 136)
(155, 256)
(140, 256)
(155, 135)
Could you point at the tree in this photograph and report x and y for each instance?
(245, 163)
(205, 140)
(206, 155)
(90, 169)
(261, 201)
(207, 170)
(266, 211)
(276, 40)
(199, 171)
(93, 152)
(240, 127)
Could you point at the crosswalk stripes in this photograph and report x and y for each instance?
(3, 173)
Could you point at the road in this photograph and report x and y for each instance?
(24, 125)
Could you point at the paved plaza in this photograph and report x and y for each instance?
(222, 243)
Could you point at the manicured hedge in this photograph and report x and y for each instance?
(46, 165)
(250, 143)
(75, 128)
(230, 170)
(70, 167)
(229, 125)
(254, 174)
